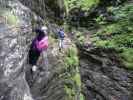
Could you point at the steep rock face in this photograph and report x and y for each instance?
(55, 78)
(103, 77)
(54, 9)
(15, 31)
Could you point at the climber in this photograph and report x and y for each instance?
(61, 36)
(39, 44)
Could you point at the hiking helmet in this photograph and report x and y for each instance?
(44, 29)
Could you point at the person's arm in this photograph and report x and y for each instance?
(65, 35)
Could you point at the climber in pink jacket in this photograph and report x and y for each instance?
(42, 44)
(39, 44)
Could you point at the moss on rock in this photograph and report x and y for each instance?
(10, 18)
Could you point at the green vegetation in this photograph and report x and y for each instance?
(118, 34)
(77, 79)
(82, 97)
(69, 67)
(11, 19)
(73, 87)
(83, 4)
(73, 80)
(127, 57)
(8, 17)
(80, 38)
(66, 6)
(70, 92)
(100, 20)
(71, 58)
(87, 4)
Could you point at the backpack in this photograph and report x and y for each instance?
(61, 34)
(42, 44)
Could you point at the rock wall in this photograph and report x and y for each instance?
(58, 77)
(54, 9)
(15, 33)
(103, 76)
(55, 79)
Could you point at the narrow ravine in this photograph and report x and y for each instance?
(95, 63)
(59, 80)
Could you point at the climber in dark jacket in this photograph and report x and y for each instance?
(61, 36)
(39, 44)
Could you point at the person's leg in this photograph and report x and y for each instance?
(59, 44)
(62, 43)
(35, 59)
(32, 57)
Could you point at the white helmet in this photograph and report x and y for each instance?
(44, 29)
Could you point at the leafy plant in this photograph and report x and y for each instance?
(100, 19)
(83, 4)
(127, 58)
(71, 58)
(73, 85)
(87, 4)
(70, 93)
(77, 79)
(80, 38)
(118, 35)
(8, 16)
(11, 18)
(81, 97)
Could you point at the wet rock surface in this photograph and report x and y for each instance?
(103, 76)
(47, 8)
(14, 38)
(49, 81)
(17, 82)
